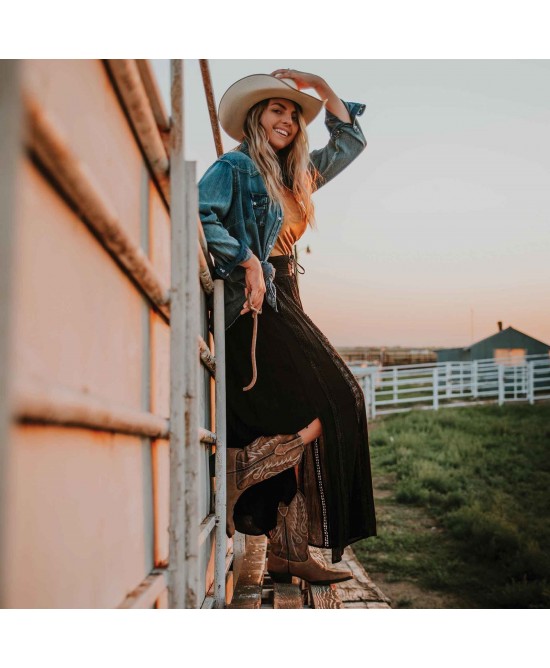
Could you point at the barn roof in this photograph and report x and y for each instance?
(503, 333)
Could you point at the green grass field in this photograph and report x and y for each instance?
(481, 477)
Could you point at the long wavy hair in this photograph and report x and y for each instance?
(287, 169)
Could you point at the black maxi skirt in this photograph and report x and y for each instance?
(300, 377)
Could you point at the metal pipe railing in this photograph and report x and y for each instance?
(71, 176)
(129, 83)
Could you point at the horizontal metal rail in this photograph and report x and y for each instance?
(129, 83)
(206, 356)
(49, 404)
(48, 145)
(146, 593)
(154, 95)
(45, 141)
(206, 527)
(205, 273)
(59, 405)
(206, 436)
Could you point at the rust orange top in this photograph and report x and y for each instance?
(293, 227)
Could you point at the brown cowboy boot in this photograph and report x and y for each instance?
(289, 554)
(263, 458)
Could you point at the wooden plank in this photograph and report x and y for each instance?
(325, 596)
(248, 592)
(146, 594)
(287, 596)
(361, 588)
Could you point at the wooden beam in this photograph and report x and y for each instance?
(287, 596)
(248, 592)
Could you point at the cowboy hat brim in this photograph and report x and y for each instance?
(245, 93)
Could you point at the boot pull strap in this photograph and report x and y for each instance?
(283, 510)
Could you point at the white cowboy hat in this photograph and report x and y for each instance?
(240, 97)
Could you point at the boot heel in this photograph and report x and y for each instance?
(280, 577)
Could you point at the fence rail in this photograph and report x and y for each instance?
(428, 386)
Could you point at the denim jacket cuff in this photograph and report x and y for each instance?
(244, 254)
(335, 125)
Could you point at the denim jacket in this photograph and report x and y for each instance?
(238, 219)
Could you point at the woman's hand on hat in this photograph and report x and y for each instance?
(255, 285)
(306, 80)
(301, 79)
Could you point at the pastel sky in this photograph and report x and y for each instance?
(441, 227)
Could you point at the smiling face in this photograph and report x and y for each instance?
(280, 122)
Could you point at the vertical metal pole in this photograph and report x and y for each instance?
(191, 367)
(10, 150)
(500, 371)
(178, 325)
(435, 376)
(221, 444)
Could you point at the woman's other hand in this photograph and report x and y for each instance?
(306, 80)
(255, 284)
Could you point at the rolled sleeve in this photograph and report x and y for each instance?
(346, 142)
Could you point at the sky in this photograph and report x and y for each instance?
(440, 228)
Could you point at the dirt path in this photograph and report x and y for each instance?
(401, 522)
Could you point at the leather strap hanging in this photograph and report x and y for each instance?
(255, 313)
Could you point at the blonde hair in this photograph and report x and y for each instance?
(287, 169)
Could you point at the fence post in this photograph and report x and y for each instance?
(372, 393)
(474, 378)
(435, 376)
(395, 385)
(500, 371)
(531, 382)
(366, 394)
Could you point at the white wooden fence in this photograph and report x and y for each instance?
(396, 389)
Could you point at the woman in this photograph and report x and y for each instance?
(298, 461)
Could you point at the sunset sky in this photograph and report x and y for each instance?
(441, 227)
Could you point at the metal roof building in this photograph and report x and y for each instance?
(506, 343)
